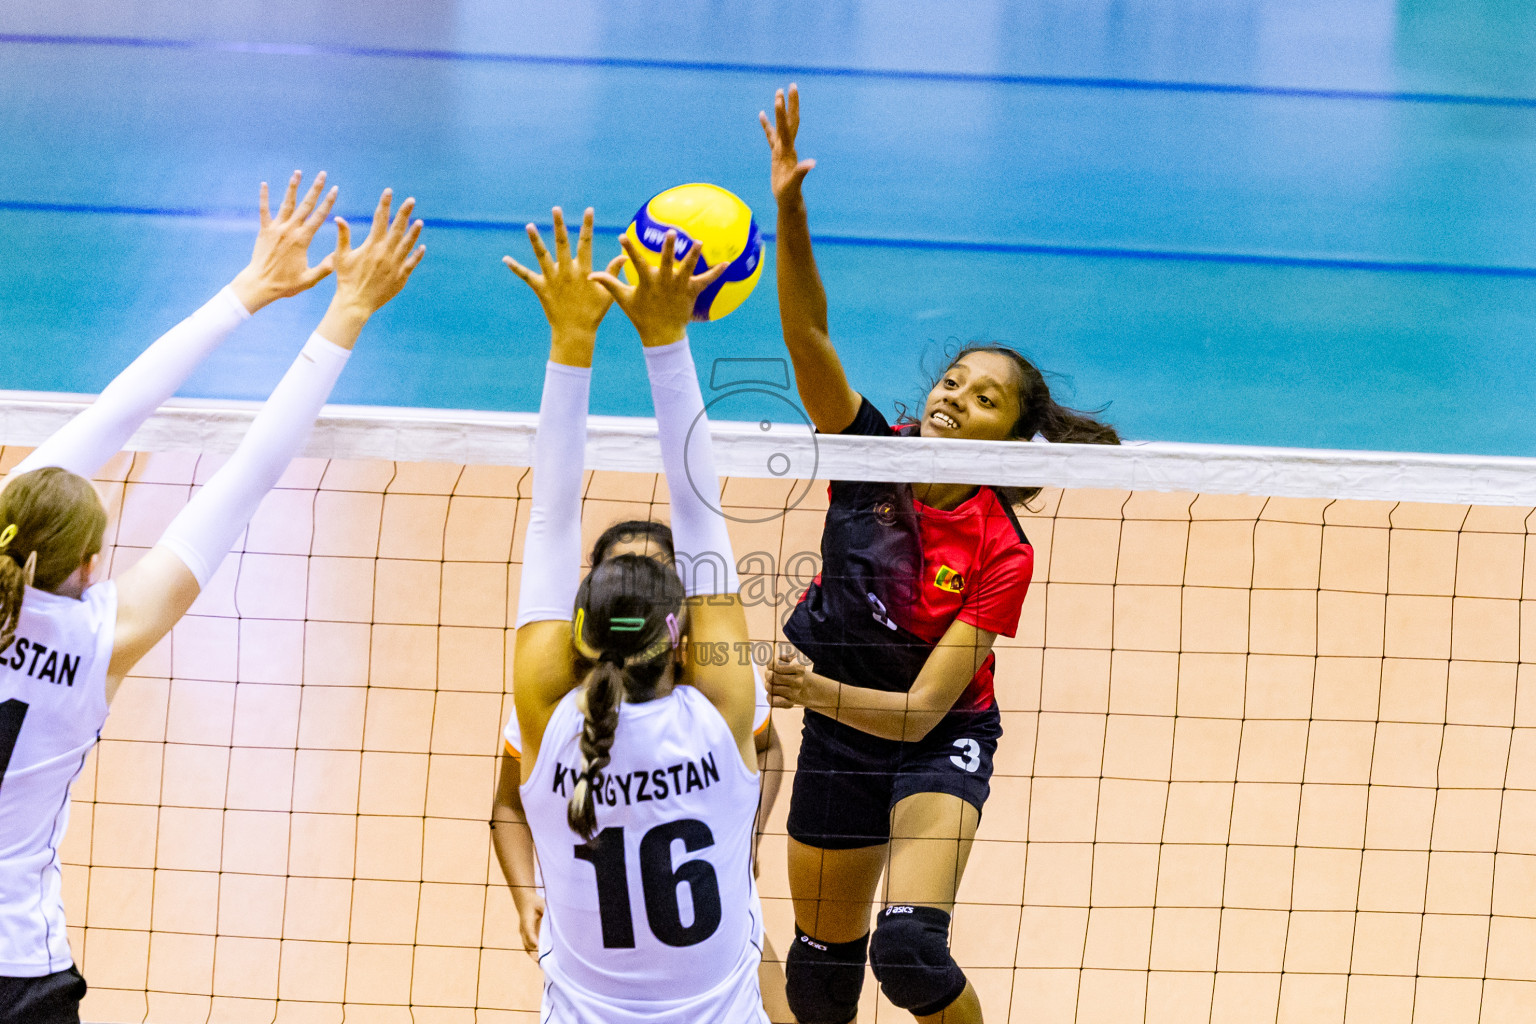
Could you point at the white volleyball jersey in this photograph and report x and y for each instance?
(657, 919)
(53, 703)
(512, 736)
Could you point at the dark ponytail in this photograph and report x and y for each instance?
(51, 522)
(658, 534)
(628, 623)
(604, 689)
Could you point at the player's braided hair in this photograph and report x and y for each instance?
(627, 624)
(51, 522)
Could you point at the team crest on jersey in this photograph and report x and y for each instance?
(948, 579)
(885, 512)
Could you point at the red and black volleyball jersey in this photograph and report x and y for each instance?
(897, 573)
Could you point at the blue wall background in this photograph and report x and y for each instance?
(1296, 223)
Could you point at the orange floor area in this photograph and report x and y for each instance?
(1264, 760)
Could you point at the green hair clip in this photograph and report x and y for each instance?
(626, 625)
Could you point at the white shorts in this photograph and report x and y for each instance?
(736, 1000)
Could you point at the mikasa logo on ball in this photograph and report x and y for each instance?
(654, 236)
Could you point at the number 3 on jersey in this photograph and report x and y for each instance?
(659, 882)
(11, 714)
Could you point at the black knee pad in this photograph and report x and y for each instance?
(822, 980)
(910, 957)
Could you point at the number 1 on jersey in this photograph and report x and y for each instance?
(11, 714)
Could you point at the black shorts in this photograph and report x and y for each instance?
(847, 781)
(51, 999)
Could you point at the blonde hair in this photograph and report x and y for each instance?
(51, 522)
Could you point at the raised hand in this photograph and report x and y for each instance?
(661, 304)
(279, 264)
(788, 170)
(574, 304)
(373, 273)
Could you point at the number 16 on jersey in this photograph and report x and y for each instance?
(659, 881)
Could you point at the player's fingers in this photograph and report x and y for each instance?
(781, 117)
(762, 119)
(620, 291)
(343, 237)
(562, 236)
(690, 258)
(412, 235)
(529, 277)
(315, 274)
(321, 212)
(668, 252)
(704, 280)
(546, 265)
(615, 265)
(793, 107)
(632, 247)
(414, 258)
(266, 214)
(290, 195)
(801, 170)
(584, 240)
(402, 218)
(381, 214)
(311, 197)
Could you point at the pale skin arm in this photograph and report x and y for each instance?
(770, 769)
(894, 716)
(513, 842)
(157, 591)
(829, 400)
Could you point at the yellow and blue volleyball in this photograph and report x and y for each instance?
(714, 219)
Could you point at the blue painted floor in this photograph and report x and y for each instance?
(1293, 223)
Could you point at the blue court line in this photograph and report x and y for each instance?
(782, 70)
(859, 241)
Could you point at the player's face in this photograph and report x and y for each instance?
(977, 398)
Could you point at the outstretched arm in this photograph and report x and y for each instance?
(660, 306)
(279, 267)
(543, 656)
(829, 400)
(158, 590)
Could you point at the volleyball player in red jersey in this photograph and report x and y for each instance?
(901, 724)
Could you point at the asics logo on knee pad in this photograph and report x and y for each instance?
(823, 979)
(909, 953)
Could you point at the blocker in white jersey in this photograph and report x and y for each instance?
(53, 704)
(639, 781)
(657, 919)
(66, 645)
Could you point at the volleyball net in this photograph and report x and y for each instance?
(1269, 747)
